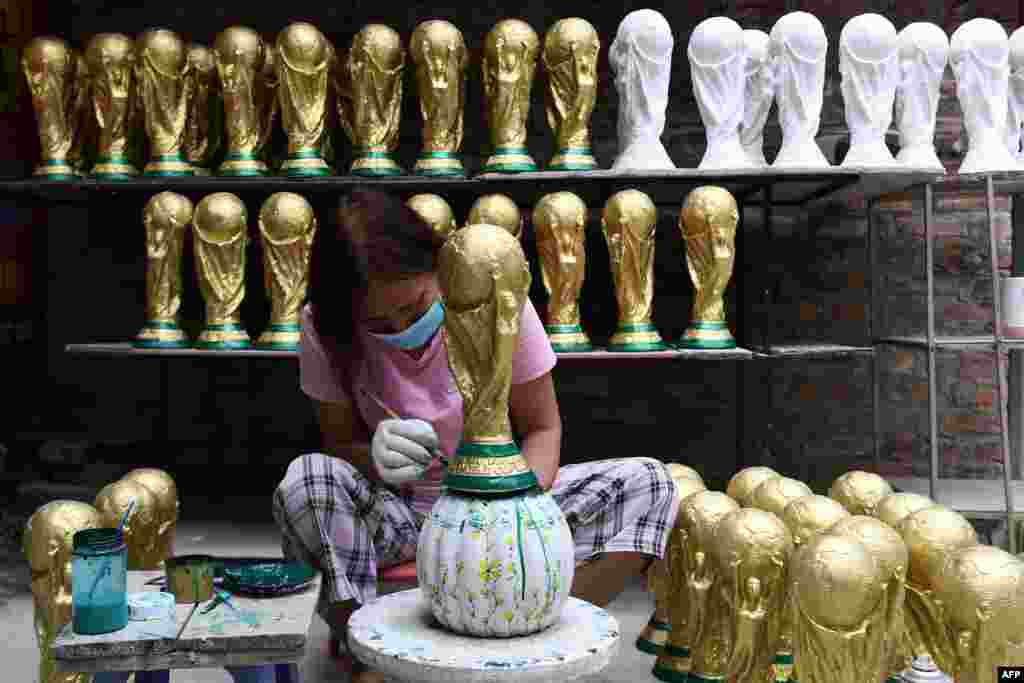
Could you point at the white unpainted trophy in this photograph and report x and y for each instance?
(717, 69)
(641, 59)
(760, 94)
(798, 46)
(924, 52)
(1015, 95)
(979, 53)
(869, 70)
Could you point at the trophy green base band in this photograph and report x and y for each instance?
(114, 168)
(566, 338)
(707, 335)
(54, 169)
(375, 163)
(201, 171)
(439, 164)
(305, 163)
(782, 668)
(673, 664)
(636, 337)
(242, 165)
(280, 337)
(223, 336)
(159, 334)
(510, 160)
(573, 159)
(489, 468)
(167, 166)
(652, 639)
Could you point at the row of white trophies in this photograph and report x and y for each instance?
(886, 77)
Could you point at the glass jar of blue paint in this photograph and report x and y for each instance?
(99, 581)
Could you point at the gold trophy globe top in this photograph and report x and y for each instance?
(220, 218)
(982, 591)
(285, 218)
(743, 484)
(163, 214)
(436, 212)
(113, 54)
(165, 491)
(775, 493)
(882, 541)
(808, 516)
(497, 209)
(201, 60)
(303, 47)
(142, 526)
(484, 280)
(165, 51)
(894, 507)
(932, 535)
(238, 51)
(859, 492)
(679, 471)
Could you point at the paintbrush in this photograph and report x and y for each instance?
(395, 416)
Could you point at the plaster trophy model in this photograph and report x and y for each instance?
(641, 60)
(166, 219)
(140, 503)
(979, 53)
(924, 52)
(869, 66)
(161, 76)
(1016, 94)
(438, 53)
(220, 232)
(202, 139)
(165, 491)
(303, 56)
(569, 56)
(760, 93)
(436, 212)
(718, 71)
(859, 492)
(49, 66)
(743, 484)
(111, 61)
(497, 209)
(798, 46)
(287, 226)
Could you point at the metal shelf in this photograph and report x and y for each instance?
(813, 351)
(972, 497)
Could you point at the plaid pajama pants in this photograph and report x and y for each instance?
(333, 518)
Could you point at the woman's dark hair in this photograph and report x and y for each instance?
(373, 236)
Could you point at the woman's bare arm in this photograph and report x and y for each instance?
(535, 417)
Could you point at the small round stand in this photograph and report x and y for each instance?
(398, 636)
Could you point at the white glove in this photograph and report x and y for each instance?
(402, 449)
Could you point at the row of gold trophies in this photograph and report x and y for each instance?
(770, 582)
(287, 224)
(117, 85)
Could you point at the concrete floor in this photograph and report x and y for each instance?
(19, 654)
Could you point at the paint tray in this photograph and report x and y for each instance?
(268, 578)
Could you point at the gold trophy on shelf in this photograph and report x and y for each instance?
(166, 217)
(559, 223)
(438, 53)
(497, 209)
(165, 494)
(570, 54)
(83, 120)
(202, 137)
(139, 503)
(47, 544)
(743, 484)
(162, 78)
(708, 224)
(241, 56)
(303, 58)
(268, 104)
(111, 62)
(436, 212)
(370, 99)
(628, 222)
(220, 226)
(50, 67)
(287, 226)
(509, 64)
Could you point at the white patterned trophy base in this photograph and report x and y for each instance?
(643, 155)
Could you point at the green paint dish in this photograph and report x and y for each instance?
(277, 577)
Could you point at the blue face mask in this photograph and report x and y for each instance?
(417, 334)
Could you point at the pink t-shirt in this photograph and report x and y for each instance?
(422, 388)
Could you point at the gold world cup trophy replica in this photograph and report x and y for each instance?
(628, 223)
(220, 226)
(287, 226)
(165, 493)
(700, 640)
(241, 58)
(570, 54)
(111, 62)
(202, 133)
(142, 524)
(370, 99)
(438, 53)
(839, 606)
(50, 67)
(559, 223)
(887, 547)
(982, 591)
(83, 121)
(437, 213)
(303, 59)
(743, 484)
(162, 78)
(708, 223)
(497, 209)
(860, 492)
(808, 516)
(268, 104)
(47, 544)
(753, 549)
(653, 637)
(166, 217)
(509, 64)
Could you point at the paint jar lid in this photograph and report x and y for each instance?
(150, 606)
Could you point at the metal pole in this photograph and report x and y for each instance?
(872, 302)
(933, 421)
(1001, 391)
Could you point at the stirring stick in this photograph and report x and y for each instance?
(395, 416)
(124, 518)
(120, 530)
